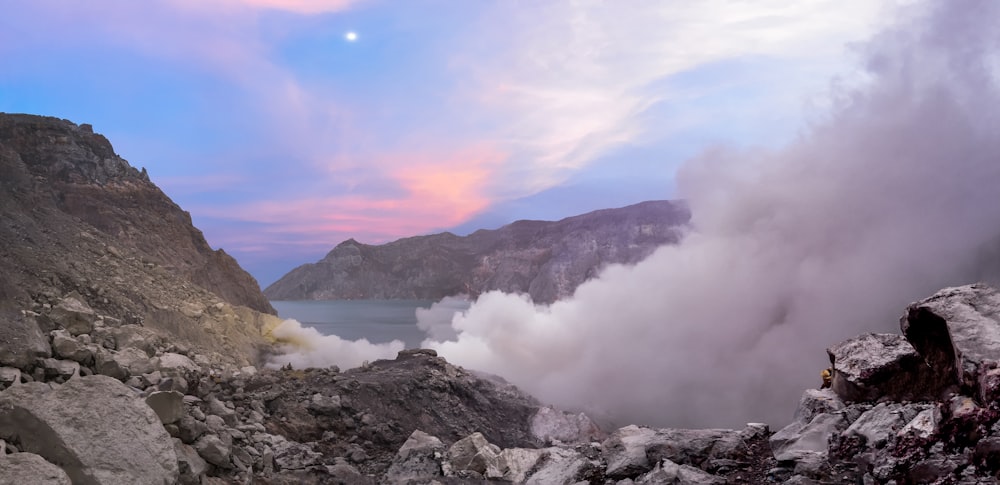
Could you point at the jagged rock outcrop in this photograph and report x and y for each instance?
(916, 408)
(546, 260)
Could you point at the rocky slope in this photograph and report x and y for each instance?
(546, 260)
(64, 192)
(83, 231)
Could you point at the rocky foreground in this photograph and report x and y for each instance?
(96, 401)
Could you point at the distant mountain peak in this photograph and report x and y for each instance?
(545, 259)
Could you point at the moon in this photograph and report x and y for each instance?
(351, 36)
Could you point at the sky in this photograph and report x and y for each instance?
(287, 126)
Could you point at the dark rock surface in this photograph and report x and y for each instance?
(546, 260)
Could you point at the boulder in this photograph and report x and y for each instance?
(667, 471)
(520, 462)
(21, 341)
(877, 424)
(923, 425)
(473, 453)
(324, 405)
(817, 401)
(800, 438)
(190, 464)
(550, 425)
(625, 451)
(65, 346)
(957, 330)
(877, 365)
(633, 450)
(214, 450)
(419, 457)
(560, 466)
(73, 314)
(94, 426)
(174, 365)
(64, 369)
(9, 376)
(25, 468)
(168, 405)
(122, 364)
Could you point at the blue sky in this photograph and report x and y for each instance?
(283, 138)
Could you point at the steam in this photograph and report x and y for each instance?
(306, 347)
(893, 196)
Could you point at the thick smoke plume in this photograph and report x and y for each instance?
(893, 195)
(306, 347)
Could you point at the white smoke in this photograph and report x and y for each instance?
(436, 320)
(306, 347)
(893, 196)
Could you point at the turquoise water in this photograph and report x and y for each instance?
(379, 321)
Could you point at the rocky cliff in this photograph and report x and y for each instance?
(82, 231)
(546, 260)
(62, 185)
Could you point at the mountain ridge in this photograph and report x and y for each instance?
(545, 259)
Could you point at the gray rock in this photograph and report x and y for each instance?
(174, 365)
(215, 423)
(21, 341)
(419, 457)
(178, 384)
(957, 330)
(29, 468)
(474, 453)
(923, 425)
(324, 405)
(550, 425)
(65, 346)
(9, 376)
(633, 450)
(169, 405)
(668, 472)
(625, 451)
(878, 423)
(799, 438)
(190, 464)
(817, 401)
(95, 426)
(73, 314)
(123, 363)
(876, 365)
(218, 408)
(190, 429)
(520, 462)
(560, 466)
(289, 455)
(214, 450)
(63, 369)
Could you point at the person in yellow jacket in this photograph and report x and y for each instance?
(827, 376)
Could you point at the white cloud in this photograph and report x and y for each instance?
(573, 78)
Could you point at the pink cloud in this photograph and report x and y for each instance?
(437, 191)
